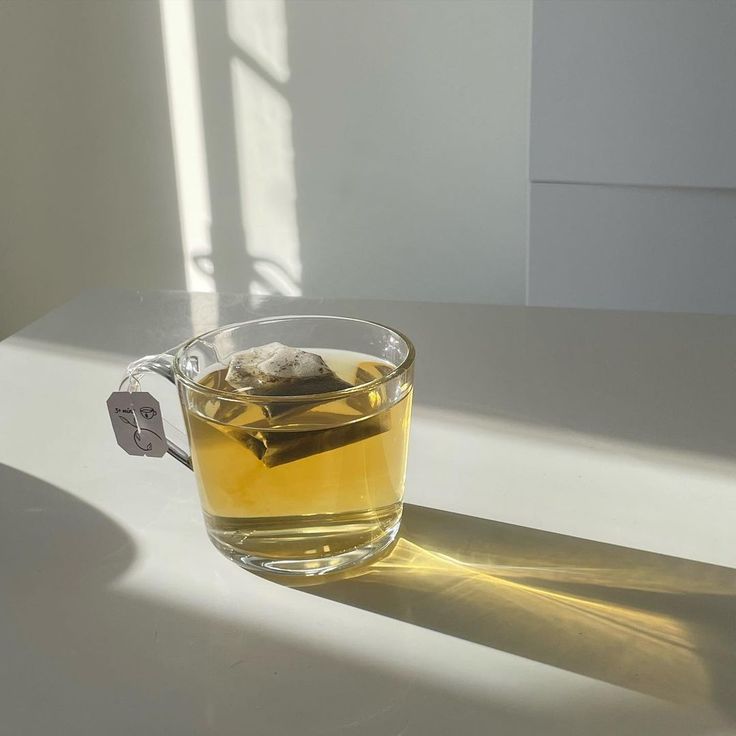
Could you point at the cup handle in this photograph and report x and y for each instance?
(163, 365)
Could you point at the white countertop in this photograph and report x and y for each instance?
(118, 617)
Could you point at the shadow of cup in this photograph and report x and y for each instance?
(651, 623)
(55, 539)
(647, 622)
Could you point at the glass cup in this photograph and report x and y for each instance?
(296, 483)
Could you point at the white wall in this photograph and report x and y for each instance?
(325, 148)
(370, 149)
(410, 124)
(633, 155)
(86, 172)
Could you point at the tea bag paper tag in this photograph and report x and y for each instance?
(137, 423)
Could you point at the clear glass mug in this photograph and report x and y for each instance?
(303, 484)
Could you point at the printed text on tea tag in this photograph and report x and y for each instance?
(137, 423)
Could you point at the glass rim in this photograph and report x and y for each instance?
(292, 399)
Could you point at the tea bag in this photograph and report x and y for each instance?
(278, 370)
(279, 448)
(366, 372)
(272, 369)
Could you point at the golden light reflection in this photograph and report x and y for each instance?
(651, 623)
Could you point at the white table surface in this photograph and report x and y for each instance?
(118, 617)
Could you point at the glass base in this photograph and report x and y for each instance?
(301, 547)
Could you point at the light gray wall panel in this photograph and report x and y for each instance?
(633, 248)
(634, 92)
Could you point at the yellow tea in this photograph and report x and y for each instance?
(311, 480)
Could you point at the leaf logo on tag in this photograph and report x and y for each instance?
(137, 423)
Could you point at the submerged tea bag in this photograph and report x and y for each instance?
(279, 370)
(279, 448)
